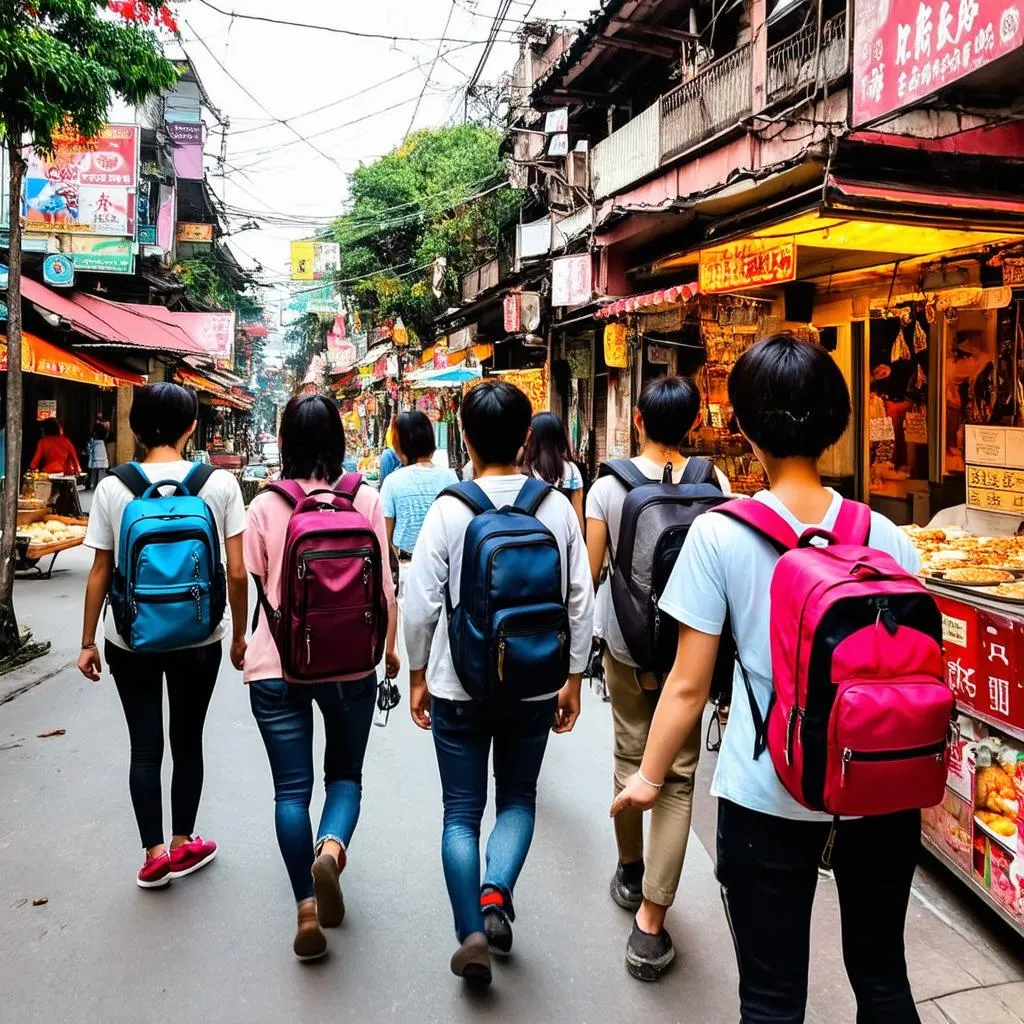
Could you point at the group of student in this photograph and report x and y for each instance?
(499, 616)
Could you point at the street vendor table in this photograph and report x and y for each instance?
(978, 830)
(30, 555)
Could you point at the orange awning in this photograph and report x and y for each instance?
(200, 383)
(47, 360)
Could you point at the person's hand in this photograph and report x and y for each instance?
(419, 699)
(238, 649)
(89, 664)
(637, 794)
(568, 709)
(392, 664)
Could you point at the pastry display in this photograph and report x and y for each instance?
(1014, 591)
(978, 575)
(968, 560)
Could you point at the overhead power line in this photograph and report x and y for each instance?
(430, 73)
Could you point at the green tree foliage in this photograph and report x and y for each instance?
(60, 62)
(416, 205)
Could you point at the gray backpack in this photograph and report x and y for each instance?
(656, 517)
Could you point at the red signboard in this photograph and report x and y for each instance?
(753, 261)
(905, 50)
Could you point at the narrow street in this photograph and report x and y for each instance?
(217, 946)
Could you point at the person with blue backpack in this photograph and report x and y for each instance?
(163, 530)
(499, 614)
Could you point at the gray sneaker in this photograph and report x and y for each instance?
(648, 956)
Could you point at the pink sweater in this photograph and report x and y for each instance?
(264, 554)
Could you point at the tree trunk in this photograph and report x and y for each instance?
(10, 640)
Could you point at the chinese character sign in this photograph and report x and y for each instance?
(905, 50)
(752, 261)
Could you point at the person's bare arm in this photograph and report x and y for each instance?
(96, 587)
(577, 504)
(597, 546)
(238, 597)
(679, 711)
(389, 525)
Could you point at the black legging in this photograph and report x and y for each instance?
(191, 676)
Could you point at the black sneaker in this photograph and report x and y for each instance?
(626, 886)
(648, 956)
(498, 918)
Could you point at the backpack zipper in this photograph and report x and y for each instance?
(936, 750)
(502, 643)
(314, 556)
(176, 597)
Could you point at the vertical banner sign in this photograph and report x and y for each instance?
(188, 150)
(572, 280)
(905, 50)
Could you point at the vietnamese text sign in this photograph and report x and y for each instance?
(194, 232)
(905, 50)
(572, 280)
(102, 255)
(994, 446)
(995, 490)
(747, 263)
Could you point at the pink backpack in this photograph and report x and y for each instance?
(861, 714)
(333, 616)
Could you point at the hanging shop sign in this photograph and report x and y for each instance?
(616, 353)
(84, 185)
(748, 263)
(188, 149)
(659, 355)
(99, 255)
(59, 271)
(995, 469)
(314, 260)
(572, 280)
(200, 233)
(459, 341)
(46, 409)
(146, 234)
(513, 312)
(905, 50)
(1013, 271)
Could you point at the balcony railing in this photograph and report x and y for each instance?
(792, 63)
(627, 154)
(716, 99)
(480, 279)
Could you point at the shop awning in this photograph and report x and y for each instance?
(648, 302)
(47, 360)
(198, 382)
(447, 377)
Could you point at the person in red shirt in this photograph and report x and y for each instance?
(55, 453)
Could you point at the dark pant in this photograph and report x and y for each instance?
(768, 870)
(463, 734)
(284, 714)
(191, 675)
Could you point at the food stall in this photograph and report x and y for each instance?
(975, 569)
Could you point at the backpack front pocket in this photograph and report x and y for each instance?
(531, 650)
(163, 618)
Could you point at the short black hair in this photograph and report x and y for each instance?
(495, 420)
(669, 408)
(100, 431)
(162, 414)
(415, 435)
(789, 397)
(50, 427)
(312, 439)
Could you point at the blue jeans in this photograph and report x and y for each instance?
(463, 734)
(284, 714)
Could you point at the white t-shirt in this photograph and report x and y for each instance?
(437, 563)
(604, 503)
(572, 478)
(725, 564)
(221, 493)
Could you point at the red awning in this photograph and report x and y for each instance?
(648, 302)
(915, 197)
(213, 334)
(122, 377)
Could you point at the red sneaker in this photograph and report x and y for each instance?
(155, 873)
(193, 855)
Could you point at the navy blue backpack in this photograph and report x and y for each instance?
(169, 588)
(509, 636)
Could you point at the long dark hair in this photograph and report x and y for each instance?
(312, 439)
(547, 449)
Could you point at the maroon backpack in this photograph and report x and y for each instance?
(333, 616)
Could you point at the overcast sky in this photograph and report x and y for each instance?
(285, 73)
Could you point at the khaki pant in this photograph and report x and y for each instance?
(632, 712)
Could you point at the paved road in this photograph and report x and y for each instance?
(216, 946)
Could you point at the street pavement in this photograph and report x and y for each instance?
(216, 946)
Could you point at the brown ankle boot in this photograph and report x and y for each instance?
(330, 905)
(310, 943)
(472, 962)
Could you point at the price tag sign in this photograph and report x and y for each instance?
(995, 469)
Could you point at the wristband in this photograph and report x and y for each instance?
(89, 647)
(647, 782)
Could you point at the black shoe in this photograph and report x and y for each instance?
(472, 963)
(626, 886)
(648, 956)
(498, 930)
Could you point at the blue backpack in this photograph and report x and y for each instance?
(168, 589)
(509, 636)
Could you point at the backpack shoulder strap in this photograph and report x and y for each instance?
(699, 471)
(349, 484)
(132, 477)
(471, 494)
(626, 472)
(853, 524)
(531, 495)
(763, 520)
(289, 490)
(198, 478)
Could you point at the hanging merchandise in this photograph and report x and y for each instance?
(615, 350)
(920, 337)
(399, 334)
(880, 426)
(915, 426)
(900, 349)
(577, 355)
